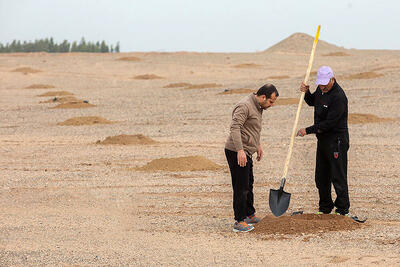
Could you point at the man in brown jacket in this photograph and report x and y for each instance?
(242, 143)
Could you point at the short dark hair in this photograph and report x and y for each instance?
(267, 90)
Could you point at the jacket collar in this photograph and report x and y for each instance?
(334, 87)
(255, 102)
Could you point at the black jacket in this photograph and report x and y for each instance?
(330, 111)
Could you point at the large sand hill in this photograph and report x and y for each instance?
(300, 43)
(67, 200)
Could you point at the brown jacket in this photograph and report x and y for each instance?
(246, 126)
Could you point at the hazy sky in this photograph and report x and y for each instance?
(202, 25)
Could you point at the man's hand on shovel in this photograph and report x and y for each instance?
(302, 132)
(303, 88)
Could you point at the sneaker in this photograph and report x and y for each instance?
(242, 227)
(252, 219)
(320, 212)
(338, 213)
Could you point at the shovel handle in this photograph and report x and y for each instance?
(283, 181)
(289, 154)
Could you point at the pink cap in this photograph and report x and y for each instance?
(324, 75)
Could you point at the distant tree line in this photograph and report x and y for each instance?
(48, 45)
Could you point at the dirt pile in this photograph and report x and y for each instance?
(191, 163)
(336, 54)
(203, 86)
(26, 70)
(40, 86)
(77, 121)
(386, 67)
(133, 59)
(147, 77)
(278, 77)
(236, 91)
(304, 224)
(358, 118)
(286, 101)
(64, 99)
(123, 139)
(302, 43)
(192, 86)
(177, 85)
(74, 104)
(56, 93)
(247, 65)
(364, 75)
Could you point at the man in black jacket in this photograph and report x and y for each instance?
(330, 127)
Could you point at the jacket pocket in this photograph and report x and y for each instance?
(336, 147)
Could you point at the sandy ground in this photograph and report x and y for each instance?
(65, 200)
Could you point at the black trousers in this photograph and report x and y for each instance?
(242, 183)
(331, 168)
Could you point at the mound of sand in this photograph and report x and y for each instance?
(123, 139)
(358, 118)
(147, 77)
(77, 121)
(236, 91)
(364, 75)
(304, 224)
(26, 70)
(177, 85)
(203, 86)
(192, 86)
(129, 59)
(56, 93)
(64, 99)
(386, 67)
(286, 101)
(74, 104)
(336, 54)
(40, 86)
(302, 43)
(246, 65)
(278, 77)
(191, 163)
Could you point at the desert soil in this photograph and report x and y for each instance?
(67, 198)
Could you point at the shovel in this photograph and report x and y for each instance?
(278, 199)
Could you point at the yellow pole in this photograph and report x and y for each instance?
(289, 154)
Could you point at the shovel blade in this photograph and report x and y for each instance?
(278, 201)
